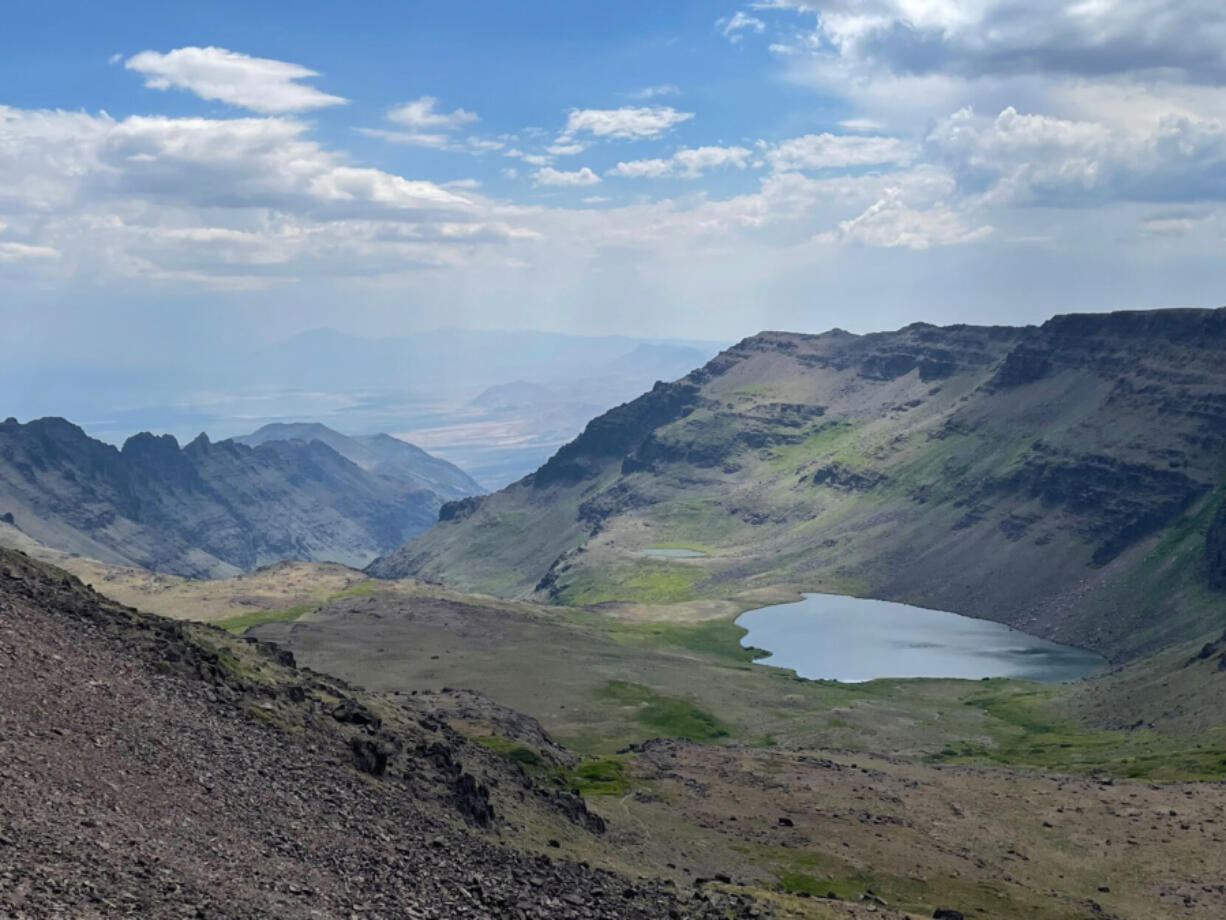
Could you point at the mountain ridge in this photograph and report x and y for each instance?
(1027, 474)
(376, 453)
(204, 509)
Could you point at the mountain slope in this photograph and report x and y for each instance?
(162, 769)
(204, 509)
(376, 453)
(1061, 478)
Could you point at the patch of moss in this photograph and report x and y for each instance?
(602, 776)
(513, 751)
(245, 621)
(1028, 731)
(672, 716)
(833, 439)
(721, 638)
(644, 581)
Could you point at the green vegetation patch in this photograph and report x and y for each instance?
(672, 716)
(834, 440)
(601, 776)
(644, 581)
(513, 751)
(245, 621)
(720, 638)
(1028, 731)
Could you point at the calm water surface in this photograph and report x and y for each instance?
(854, 639)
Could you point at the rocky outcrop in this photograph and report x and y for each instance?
(1215, 550)
(1116, 503)
(204, 509)
(459, 510)
(838, 476)
(616, 433)
(1022, 365)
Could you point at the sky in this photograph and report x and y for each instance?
(179, 176)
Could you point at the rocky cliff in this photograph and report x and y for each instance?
(205, 509)
(1060, 478)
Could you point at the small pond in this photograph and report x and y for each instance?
(827, 636)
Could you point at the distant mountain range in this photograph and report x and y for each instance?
(376, 453)
(419, 387)
(1068, 479)
(213, 509)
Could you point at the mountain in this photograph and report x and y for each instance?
(376, 453)
(155, 768)
(206, 509)
(1061, 478)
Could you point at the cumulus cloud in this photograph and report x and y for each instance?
(217, 74)
(627, 122)
(1006, 37)
(837, 151)
(14, 252)
(220, 201)
(422, 125)
(891, 223)
(421, 115)
(547, 175)
(687, 163)
(734, 26)
(1032, 158)
(565, 150)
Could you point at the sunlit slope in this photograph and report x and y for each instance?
(1061, 478)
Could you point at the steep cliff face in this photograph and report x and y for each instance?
(1026, 474)
(1215, 550)
(205, 509)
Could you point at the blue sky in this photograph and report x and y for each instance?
(174, 175)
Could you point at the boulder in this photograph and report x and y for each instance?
(351, 712)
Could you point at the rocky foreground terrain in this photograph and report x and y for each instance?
(153, 768)
(205, 509)
(1062, 478)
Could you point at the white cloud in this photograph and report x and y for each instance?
(216, 74)
(654, 92)
(627, 122)
(427, 127)
(861, 124)
(420, 115)
(1027, 158)
(837, 151)
(14, 252)
(565, 150)
(734, 27)
(687, 163)
(409, 138)
(549, 176)
(891, 223)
